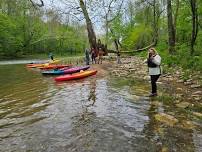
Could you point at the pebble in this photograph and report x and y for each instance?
(188, 83)
(197, 114)
(180, 81)
(183, 105)
(195, 86)
(197, 93)
(165, 118)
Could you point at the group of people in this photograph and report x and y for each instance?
(95, 52)
(153, 62)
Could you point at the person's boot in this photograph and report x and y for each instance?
(153, 95)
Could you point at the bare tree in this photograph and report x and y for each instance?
(91, 33)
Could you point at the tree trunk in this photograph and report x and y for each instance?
(91, 33)
(175, 17)
(194, 24)
(171, 29)
(107, 30)
(155, 26)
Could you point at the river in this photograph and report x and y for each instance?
(104, 114)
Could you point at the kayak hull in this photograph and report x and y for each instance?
(76, 69)
(53, 67)
(53, 72)
(65, 71)
(42, 65)
(76, 76)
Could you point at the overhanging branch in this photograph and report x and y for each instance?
(37, 4)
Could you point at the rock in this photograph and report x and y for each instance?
(179, 89)
(190, 80)
(187, 125)
(178, 95)
(164, 149)
(156, 103)
(197, 93)
(188, 83)
(197, 98)
(177, 101)
(177, 72)
(197, 114)
(195, 86)
(180, 81)
(183, 105)
(146, 78)
(166, 119)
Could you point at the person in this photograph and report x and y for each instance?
(154, 62)
(118, 58)
(100, 55)
(51, 56)
(87, 58)
(93, 55)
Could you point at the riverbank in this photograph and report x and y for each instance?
(176, 86)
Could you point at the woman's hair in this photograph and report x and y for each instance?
(154, 50)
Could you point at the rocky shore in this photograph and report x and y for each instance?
(187, 86)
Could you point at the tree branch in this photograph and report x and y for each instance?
(36, 4)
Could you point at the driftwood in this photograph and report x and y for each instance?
(138, 50)
(145, 48)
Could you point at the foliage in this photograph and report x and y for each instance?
(26, 30)
(138, 37)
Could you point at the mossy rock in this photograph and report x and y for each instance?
(166, 119)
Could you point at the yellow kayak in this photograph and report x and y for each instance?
(43, 65)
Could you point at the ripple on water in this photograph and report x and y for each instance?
(94, 114)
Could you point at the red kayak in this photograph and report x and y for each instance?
(48, 67)
(79, 75)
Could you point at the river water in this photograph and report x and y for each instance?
(103, 114)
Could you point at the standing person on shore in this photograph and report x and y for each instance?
(154, 62)
(51, 56)
(87, 58)
(118, 58)
(93, 55)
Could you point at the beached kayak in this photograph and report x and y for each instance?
(42, 65)
(38, 62)
(75, 76)
(53, 66)
(54, 61)
(65, 70)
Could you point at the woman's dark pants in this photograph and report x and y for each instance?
(154, 79)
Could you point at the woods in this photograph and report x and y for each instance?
(65, 26)
(27, 28)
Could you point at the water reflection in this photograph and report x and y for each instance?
(93, 114)
(92, 94)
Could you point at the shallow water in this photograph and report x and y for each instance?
(94, 114)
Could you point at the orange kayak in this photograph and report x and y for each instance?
(36, 65)
(52, 66)
(79, 75)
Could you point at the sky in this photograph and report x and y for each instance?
(97, 22)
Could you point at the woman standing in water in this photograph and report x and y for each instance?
(153, 62)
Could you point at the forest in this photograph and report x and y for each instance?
(126, 26)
